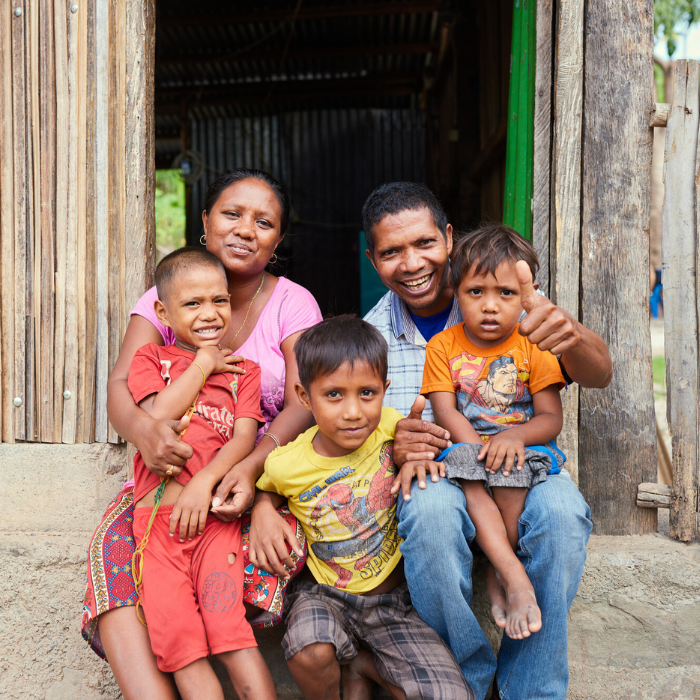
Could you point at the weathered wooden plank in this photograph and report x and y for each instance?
(565, 224)
(61, 216)
(679, 261)
(102, 219)
(140, 140)
(21, 219)
(71, 22)
(47, 201)
(543, 139)
(653, 496)
(659, 114)
(7, 262)
(617, 425)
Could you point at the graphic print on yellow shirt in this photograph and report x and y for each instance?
(344, 505)
(494, 386)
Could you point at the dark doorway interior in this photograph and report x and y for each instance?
(333, 99)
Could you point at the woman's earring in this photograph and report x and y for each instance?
(203, 239)
(271, 261)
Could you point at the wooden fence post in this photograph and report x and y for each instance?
(679, 267)
(616, 425)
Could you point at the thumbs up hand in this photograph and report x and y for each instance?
(546, 325)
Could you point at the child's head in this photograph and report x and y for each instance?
(342, 370)
(483, 276)
(193, 297)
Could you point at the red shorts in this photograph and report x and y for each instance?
(192, 596)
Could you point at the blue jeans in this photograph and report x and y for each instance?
(554, 529)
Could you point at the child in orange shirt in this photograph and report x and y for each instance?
(496, 392)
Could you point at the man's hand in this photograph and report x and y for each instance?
(546, 325)
(417, 439)
(234, 495)
(418, 469)
(503, 449)
(191, 509)
(161, 447)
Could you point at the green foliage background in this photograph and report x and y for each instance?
(670, 15)
(170, 211)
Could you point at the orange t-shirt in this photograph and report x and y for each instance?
(494, 386)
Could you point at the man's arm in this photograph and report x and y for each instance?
(584, 355)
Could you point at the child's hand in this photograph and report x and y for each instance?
(502, 449)
(214, 360)
(191, 509)
(419, 469)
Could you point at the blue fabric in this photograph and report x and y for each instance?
(554, 530)
(431, 325)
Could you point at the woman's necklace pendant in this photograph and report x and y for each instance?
(233, 340)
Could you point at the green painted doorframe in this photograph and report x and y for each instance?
(517, 201)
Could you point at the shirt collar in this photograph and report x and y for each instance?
(403, 324)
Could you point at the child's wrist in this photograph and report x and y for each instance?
(204, 361)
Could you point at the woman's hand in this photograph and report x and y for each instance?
(270, 534)
(417, 439)
(161, 447)
(215, 360)
(235, 494)
(191, 509)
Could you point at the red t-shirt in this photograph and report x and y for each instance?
(223, 398)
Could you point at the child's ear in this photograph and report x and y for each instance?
(303, 396)
(386, 385)
(161, 312)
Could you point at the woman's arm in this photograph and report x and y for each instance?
(158, 441)
(292, 420)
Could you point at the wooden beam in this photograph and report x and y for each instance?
(304, 13)
(565, 217)
(659, 114)
(300, 53)
(617, 425)
(542, 174)
(653, 496)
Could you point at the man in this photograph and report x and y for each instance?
(408, 242)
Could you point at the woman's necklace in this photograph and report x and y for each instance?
(231, 342)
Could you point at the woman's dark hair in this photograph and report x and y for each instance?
(232, 176)
(321, 349)
(487, 247)
(395, 197)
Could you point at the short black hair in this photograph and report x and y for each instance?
(321, 349)
(487, 247)
(395, 197)
(230, 177)
(182, 259)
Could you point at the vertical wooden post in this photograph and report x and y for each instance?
(543, 139)
(679, 270)
(616, 425)
(565, 223)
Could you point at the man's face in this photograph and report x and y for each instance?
(412, 257)
(505, 379)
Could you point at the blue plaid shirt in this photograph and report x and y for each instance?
(406, 350)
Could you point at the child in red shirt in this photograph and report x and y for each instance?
(192, 587)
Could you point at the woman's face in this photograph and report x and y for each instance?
(243, 227)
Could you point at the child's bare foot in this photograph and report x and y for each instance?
(523, 615)
(497, 597)
(357, 683)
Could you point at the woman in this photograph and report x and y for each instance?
(245, 218)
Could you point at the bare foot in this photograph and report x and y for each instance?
(497, 597)
(357, 684)
(523, 615)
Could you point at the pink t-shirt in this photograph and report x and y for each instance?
(290, 309)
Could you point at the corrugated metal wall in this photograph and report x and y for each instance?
(329, 160)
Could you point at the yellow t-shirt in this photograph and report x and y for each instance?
(494, 386)
(344, 505)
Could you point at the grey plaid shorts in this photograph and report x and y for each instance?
(462, 463)
(405, 650)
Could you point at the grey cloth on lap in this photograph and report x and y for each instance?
(462, 463)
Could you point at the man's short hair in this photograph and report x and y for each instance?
(323, 348)
(182, 259)
(393, 198)
(487, 247)
(499, 363)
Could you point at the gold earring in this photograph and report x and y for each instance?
(271, 261)
(203, 239)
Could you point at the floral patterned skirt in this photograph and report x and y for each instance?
(110, 583)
